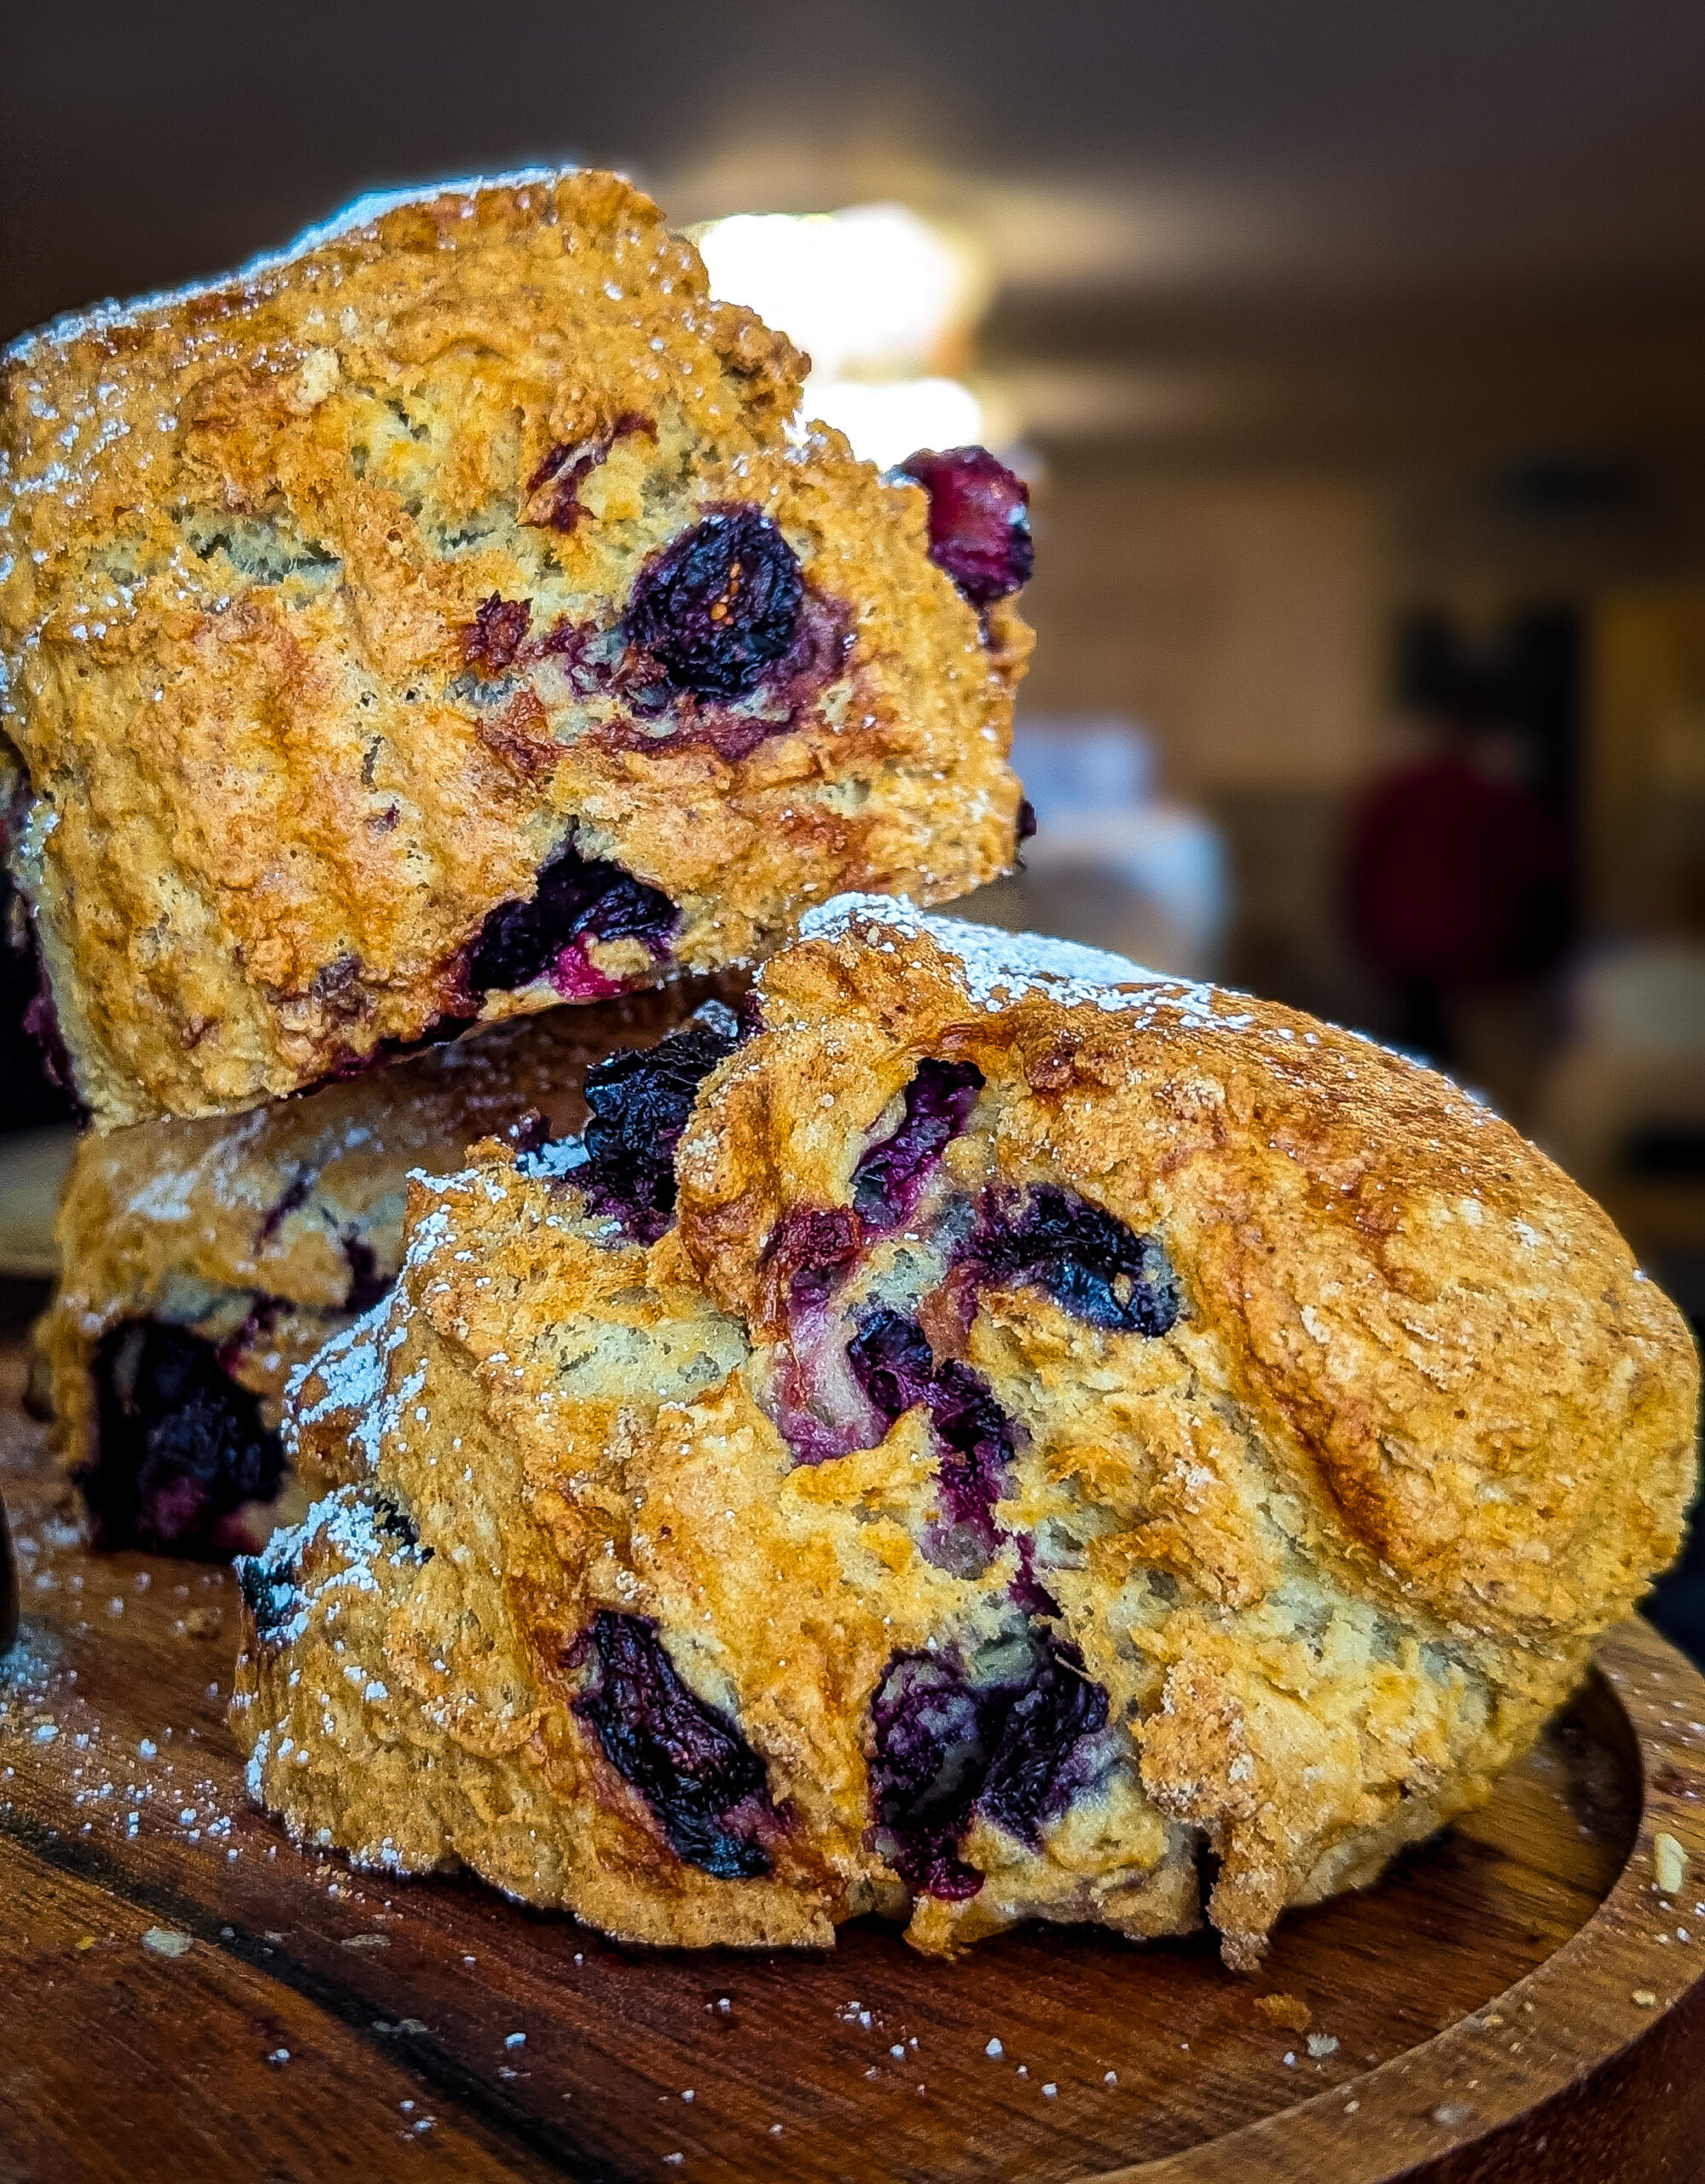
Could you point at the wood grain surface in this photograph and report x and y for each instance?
(1518, 2001)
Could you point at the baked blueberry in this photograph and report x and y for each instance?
(945, 1747)
(1077, 1253)
(979, 520)
(179, 1443)
(577, 899)
(704, 1783)
(890, 1179)
(640, 1103)
(719, 605)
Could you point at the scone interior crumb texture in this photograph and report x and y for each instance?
(204, 1261)
(453, 616)
(1056, 1443)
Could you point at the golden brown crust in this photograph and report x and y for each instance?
(1331, 1539)
(263, 1233)
(280, 781)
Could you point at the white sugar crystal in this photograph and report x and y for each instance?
(997, 966)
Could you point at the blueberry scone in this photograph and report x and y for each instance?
(1053, 1442)
(204, 1261)
(450, 617)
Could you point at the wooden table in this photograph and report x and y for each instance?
(187, 1996)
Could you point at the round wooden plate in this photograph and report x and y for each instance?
(187, 1996)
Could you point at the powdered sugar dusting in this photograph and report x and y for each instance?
(562, 1156)
(351, 1370)
(997, 966)
(347, 1524)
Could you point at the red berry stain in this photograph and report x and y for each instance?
(497, 633)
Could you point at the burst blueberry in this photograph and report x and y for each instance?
(811, 1247)
(640, 1102)
(926, 1766)
(892, 1358)
(179, 1444)
(979, 520)
(718, 604)
(577, 899)
(889, 1180)
(946, 1748)
(1079, 1254)
(704, 1785)
(1040, 1761)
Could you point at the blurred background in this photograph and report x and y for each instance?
(1355, 356)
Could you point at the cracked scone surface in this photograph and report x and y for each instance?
(1056, 1423)
(441, 621)
(204, 1260)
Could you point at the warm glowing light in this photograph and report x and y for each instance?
(872, 290)
(888, 420)
(876, 296)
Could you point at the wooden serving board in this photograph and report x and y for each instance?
(185, 1995)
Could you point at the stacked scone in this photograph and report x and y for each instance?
(976, 1431)
(440, 623)
(995, 1434)
(204, 1260)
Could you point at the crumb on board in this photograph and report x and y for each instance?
(1289, 2012)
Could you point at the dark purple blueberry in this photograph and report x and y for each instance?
(1026, 828)
(891, 1359)
(811, 1248)
(1089, 1263)
(890, 1178)
(578, 898)
(179, 1444)
(366, 1284)
(891, 1356)
(980, 1439)
(497, 633)
(979, 520)
(640, 1102)
(705, 1785)
(927, 1762)
(944, 1748)
(719, 604)
(1038, 1763)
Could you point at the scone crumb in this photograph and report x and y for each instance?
(1289, 2012)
